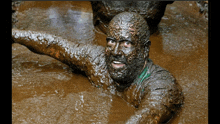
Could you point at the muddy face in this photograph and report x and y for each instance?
(127, 47)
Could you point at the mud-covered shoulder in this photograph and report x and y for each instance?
(162, 88)
(160, 78)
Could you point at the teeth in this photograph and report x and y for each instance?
(116, 62)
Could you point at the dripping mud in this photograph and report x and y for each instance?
(45, 90)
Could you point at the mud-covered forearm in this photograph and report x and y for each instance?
(151, 111)
(151, 114)
(162, 99)
(145, 116)
(61, 49)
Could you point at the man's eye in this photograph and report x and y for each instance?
(126, 44)
(110, 42)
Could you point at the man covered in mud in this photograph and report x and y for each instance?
(123, 67)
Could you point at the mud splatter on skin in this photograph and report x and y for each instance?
(157, 97)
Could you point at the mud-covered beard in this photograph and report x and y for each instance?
(125, 76)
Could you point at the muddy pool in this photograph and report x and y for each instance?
(45, 90)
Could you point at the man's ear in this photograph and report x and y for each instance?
(147, 48)
(147, 45)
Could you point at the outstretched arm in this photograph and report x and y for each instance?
(89, 58)
(61, 49)
(159, 104)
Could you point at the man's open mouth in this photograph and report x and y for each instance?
(117, 64)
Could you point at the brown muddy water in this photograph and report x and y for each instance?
(45, 90)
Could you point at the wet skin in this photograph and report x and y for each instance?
(117, 67)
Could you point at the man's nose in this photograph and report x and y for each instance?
(116, 50)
